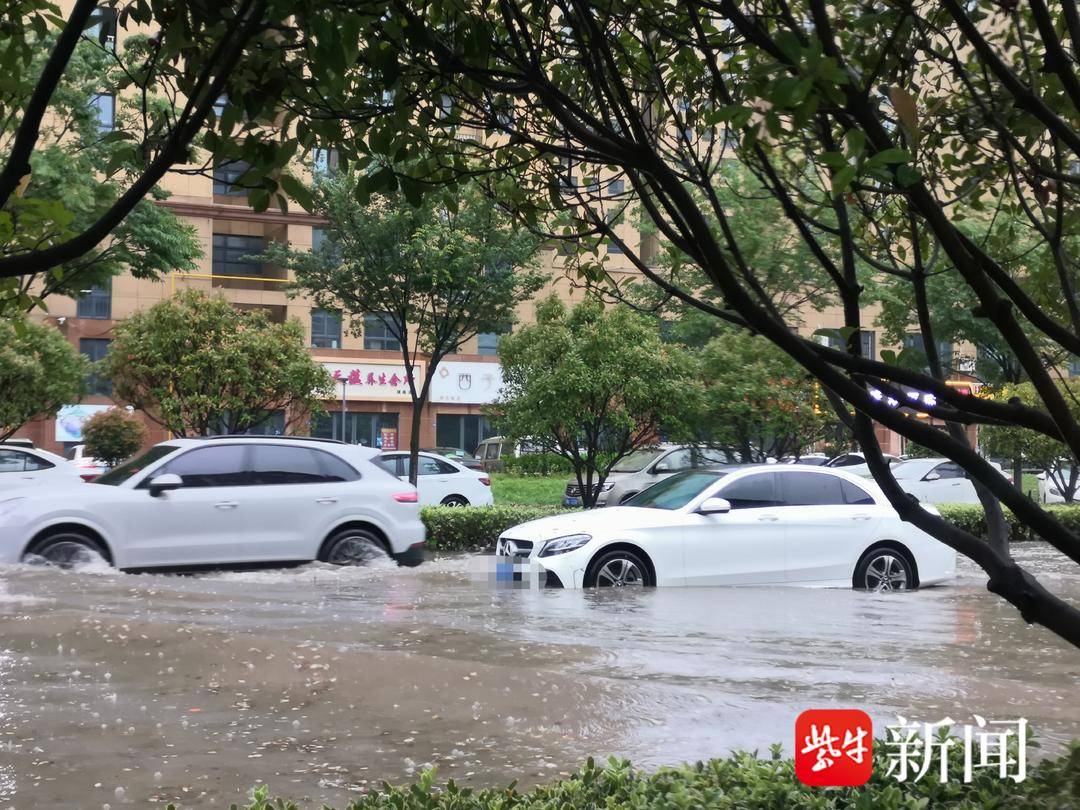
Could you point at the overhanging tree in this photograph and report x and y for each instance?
(871, 126)
(435, 275)
(196, 365)
(593, 386)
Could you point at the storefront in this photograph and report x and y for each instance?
(460, 391)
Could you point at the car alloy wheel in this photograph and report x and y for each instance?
(454, 500)
(65, 551)
(620, 573)
(886, 571)
(355, 548)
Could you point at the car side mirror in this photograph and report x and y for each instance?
(714, 506)
(931, 477)
(164, 483)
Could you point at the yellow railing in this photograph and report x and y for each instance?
(218, 277)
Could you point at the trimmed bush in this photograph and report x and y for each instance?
(475, 528)
(969, 517)
(741, 780)
(113, 436)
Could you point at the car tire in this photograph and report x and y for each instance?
(66, 550)
(884, 569)
(353, 547)
(454, 500)
(618, 568)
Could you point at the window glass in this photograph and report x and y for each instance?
(221, 465)
(675, 492)
(277, 464)
(95, 350)
(334, 469)
(226, 176)
(17, 461)
(95, 302)
(487, 343)
(949, 470)
(706, 456)
(429, 466)
(325, 329)
(230, 252)
(811, 489)
(389, 463)
(676, 460)
(378, 336)
(752, 492)
(119, 475)
(856, 495)
(492, 451)
(104, 109)
(637, 461)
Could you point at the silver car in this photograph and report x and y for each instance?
(643, 468)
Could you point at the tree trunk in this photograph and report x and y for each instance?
(414, 435)
(1018, 473)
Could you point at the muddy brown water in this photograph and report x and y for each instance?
(127, 690)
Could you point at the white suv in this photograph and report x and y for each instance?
(221, 501)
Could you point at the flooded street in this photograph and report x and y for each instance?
(121, 689)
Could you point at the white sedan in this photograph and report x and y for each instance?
(776, 524)
(221, 501)
(937, 480)
(28, 466)
(441, 481)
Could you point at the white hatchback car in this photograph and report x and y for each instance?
(776, 524)
(441, 481)
(22, 466)
(221, 501)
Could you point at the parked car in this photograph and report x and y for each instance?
(440, 481)
(221, 501)
(811, 459)
(775, 524)
(856, 459)
(937, 480)
(88, 466)
(22, 466)
(458, 455)
(1049, 492)
(643, 468)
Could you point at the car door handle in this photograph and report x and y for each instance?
(326, 500)
(861, 517)
(225, 505)
(768, 519)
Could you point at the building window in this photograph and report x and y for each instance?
(324, 161)
(95, 302)
(102, 27)
(867, 338)
(867, 341)
(377, 335)
(461, 431)
(359, 428)
(325, 329)
(318, 239)
(487, 343)
(226, 176)
(230, 252)
(104, 108)
(95, 350)
(1074, 366)
(914, 341)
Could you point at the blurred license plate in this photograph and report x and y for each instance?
(571, 501)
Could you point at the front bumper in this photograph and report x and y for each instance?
(558, 571)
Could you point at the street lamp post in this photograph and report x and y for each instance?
(344, 386)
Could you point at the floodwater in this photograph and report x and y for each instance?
(119, 689)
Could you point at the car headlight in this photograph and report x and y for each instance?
(606, 486)
(1054, 491)
(561, 545)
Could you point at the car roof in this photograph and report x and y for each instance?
(333, 445)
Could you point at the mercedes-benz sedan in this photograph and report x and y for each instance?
(776, 524)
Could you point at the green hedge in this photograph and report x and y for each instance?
(475, 528)
(740, 781)
(970, 518)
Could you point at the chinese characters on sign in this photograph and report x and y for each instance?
(833, 748)
(466, 383)
(373, 381)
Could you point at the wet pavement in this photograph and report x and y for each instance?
(120, 689)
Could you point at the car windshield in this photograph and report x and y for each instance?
(115, 478)
(908, 470)
(677, 491)
(638, 461)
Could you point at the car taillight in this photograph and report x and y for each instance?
(88, 476)
(485, 481)
(405, 497)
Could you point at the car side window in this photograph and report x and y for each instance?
(856, 495)
(389, 463)
(276, 464)
(676, 461)
(710, 455)
(37, 463)
(811, 489)
(218, 466)
(492, 451)
(949, 470)
(334, 469)
(13, 461)
(444, 468)
(751, 492)
(432, 466)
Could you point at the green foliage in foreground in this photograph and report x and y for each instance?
(474, 528)
(970, 518)
(740, 781)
